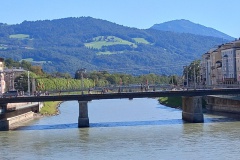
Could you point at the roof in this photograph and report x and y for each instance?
(13, 70)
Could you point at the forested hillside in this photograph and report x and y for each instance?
(65, 45)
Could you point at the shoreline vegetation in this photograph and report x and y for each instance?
(50, 108)
(174, 102)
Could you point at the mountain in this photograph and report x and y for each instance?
(186, 26)
(68, 44)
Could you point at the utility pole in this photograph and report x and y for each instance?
(187, 76)
(28, 85)
(82, 81)
(13, 88)
(81, 71)
(187, 73)
(194, 74)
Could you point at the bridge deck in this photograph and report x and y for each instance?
(130, 95)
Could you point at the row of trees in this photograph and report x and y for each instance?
(90, 80)
(57, 81)
(63, 81)
(192, 72)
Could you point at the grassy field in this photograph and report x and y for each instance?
(141, 40)
(50, 108)
(2, 46)
(100, 41)
(28, 59)
(19, 36)
(108, 53)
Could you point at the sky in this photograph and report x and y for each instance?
(222, 15)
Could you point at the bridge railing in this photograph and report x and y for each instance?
(139, 88)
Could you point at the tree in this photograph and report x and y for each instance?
(37, 70)
(26, 65)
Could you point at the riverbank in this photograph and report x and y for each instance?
(174, 102)
(50, 108)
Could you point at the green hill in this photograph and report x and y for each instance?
(65, 45)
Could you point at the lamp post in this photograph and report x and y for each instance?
(81, 71)
(28, 84)
(187, 73)
(194, 75)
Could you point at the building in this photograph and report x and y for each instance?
(10, 74)
(2, 81)
(221, 65)
(230, 62)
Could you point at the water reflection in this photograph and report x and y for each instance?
(124, 124)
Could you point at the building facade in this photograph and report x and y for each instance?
(205, 69)
(222, 65)
(2, 81)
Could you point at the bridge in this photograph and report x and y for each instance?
(191, 108)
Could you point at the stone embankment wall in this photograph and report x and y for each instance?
(17, 121)
(11, 105)
(17, 114)
(229, 104)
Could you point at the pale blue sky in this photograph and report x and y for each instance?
(222, 15)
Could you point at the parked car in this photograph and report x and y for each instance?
(10, 94)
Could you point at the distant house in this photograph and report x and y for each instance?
(9, 76)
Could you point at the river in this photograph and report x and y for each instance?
(123, 129)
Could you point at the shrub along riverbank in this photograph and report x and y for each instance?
(175, 102)
(50, 108)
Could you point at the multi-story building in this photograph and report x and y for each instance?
(222, 65)
(215, 59)
(216, 66)
(229, 65)
(7, 77)
(10, 75)
(2, 81)
(237, 60)
(238, 65)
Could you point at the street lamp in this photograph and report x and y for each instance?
(81, 71)
(194, 75)
(28, 84)
(187, 73)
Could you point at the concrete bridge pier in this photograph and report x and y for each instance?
(3, 108)
(192, 109)
(83, 120)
